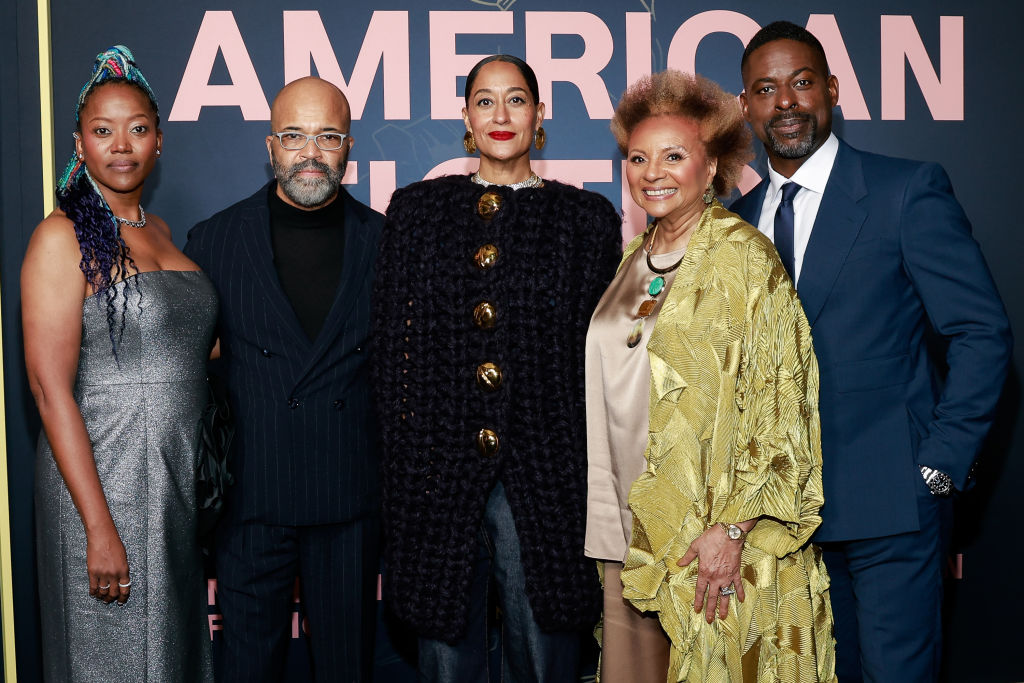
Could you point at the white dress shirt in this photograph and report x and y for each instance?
(812, 176)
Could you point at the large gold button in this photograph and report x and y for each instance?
(486, 256)
(487, 442)
(485, 315)
(488, 376)
(488, 205)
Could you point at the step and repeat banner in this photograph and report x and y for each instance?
(927, 80)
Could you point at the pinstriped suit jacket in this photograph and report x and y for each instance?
(305, 445)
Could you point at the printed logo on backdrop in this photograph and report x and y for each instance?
(299, 622)
(385, 49)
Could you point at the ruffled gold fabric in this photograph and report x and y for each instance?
(734, 434)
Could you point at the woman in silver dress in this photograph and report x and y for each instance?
(118, 324)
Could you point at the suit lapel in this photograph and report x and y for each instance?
(836, 227)
(256, 243)
(749, 205)
(358, 257)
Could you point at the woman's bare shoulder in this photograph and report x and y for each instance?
(158, 224)
(53, 248)
(55, 232)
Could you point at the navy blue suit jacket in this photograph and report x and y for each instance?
(890, 255)
(305, 447)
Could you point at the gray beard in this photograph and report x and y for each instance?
(785, 148)
(309, 192)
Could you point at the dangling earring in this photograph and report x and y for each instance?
(540, 138)
(709, 195)
(469, 142)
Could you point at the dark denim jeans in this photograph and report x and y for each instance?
(528, 655)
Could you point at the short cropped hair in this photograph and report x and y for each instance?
(783, 30)
(717, 114)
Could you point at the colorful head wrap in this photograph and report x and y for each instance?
(114, 64)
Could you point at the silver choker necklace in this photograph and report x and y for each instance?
(533, 181)
(141, 223)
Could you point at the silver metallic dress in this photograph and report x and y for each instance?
(141, 419)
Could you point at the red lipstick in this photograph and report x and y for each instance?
(501, 135)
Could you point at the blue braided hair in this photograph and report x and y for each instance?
(105, 256)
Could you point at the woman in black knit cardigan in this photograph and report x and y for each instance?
(484, 292)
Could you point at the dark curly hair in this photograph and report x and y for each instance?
(717, 113)
(105, 256)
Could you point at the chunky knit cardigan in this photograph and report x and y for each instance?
(557, 248)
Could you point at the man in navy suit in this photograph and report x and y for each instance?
(882, 256)
(293, 267)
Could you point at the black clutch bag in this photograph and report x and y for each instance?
(216, 430)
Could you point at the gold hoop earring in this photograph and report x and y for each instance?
(469, 142)
(709, 194)
(540, 138)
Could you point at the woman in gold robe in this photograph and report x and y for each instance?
(703, 432)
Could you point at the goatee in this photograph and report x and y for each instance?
(796, 147)
(309, 192)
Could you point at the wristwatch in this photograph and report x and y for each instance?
(939, 483)
(733, 532)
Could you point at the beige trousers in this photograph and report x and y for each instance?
(634, 649)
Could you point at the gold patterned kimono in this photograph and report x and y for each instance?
(734, 434)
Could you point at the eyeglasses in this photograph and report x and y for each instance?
(328, 142)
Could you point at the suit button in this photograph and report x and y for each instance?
(294, 403)
(488, 376)
(266, 353)
(339, 404)
(487, 442)
(485, 315)
(486, 256)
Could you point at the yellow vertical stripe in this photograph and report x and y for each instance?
(6, 582)
(49, 184)
(46, 107)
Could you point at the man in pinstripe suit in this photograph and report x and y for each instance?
(293, 266)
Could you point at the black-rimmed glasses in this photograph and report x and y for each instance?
(293, 140)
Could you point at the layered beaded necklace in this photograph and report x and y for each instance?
(141, 223)
(654, 289)
(533, 181)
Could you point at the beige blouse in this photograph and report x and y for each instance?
(618, 392)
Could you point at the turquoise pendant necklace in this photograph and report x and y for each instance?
(656, 287)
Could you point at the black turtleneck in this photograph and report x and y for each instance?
(308, 248)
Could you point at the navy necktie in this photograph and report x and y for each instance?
(784, 228)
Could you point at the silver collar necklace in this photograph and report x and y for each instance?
(533, 181)
(141, 223)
